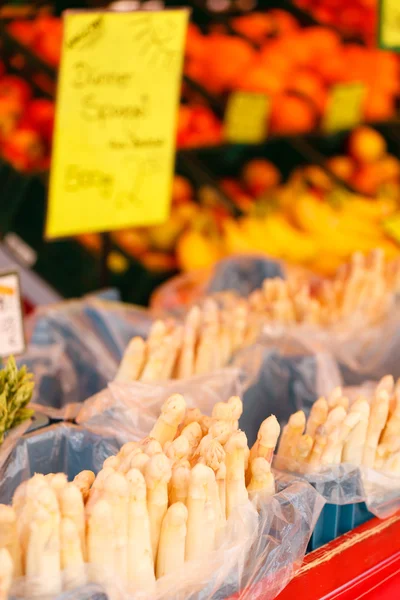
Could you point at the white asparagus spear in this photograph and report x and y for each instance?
(151, 446)
(140, 556)
(291, 434)
(318, 416)
(192, 415)
(43, 554)
(392, 464)
(220, 477)
(194, 434)
(127, 448)
(302, 451)
(116, 492)
(174, 345)
(385, 384)
(6, 573)
(132, 361)
(19, 498)
(140, 461)
(171, 553)
(38, 493)
(84, 481)
(321, 438)
(392, 429)
(214, 455)
(126, 462)
(377, 420)
(100, 542)
(179, 484)
(353, 448)
(262, 482)
(178, 449)
(9, 537)
(186, 363)
(240, 318)
(197, 523)
(220, 431)
(236, 493)
(333, 450)
(157, 359)
(267, 438)
(72, 560)
(157, 475)
(72, 507)
(112, 462)
(335, 417)
(334, 398)
(97, 488)
(166, 426)
(207, 349)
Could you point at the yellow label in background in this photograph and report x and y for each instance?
(114, 141)
(389, 24)
(246, 117)
(346, 106)
(391, 227)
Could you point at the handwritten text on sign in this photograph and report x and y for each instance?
(12, 340)
(118, 91)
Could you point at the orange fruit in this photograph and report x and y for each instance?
(259, 176)
(283, 21)
(255, 26)
(366, 145)
(291, 114)
(342, 166)
(226, 58)
(182, 190)
(195, 42)
(367, 179)
(308, 83)
(379, 106)
(257, 78)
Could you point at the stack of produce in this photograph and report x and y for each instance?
(367, 166)
(295, 66)
(205, 342)
(16, 389)
(310, 220)
(364, 289)
(153, 506)
(357, 20)
(360, 433)
(26, 125)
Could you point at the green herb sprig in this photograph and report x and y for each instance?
(16, 389)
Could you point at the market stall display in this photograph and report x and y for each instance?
(155, 505)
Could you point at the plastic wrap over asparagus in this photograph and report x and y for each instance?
(205, 342)
(157, 504)
(363, 433)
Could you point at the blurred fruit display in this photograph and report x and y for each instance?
(355, 19)
(269, 52)
(26, 124)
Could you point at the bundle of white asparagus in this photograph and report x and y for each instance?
(366, 287)
(364, 432)
(205, 342)
(153, 506)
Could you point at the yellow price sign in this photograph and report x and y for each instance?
(346, 106)
(391, 227)
(246, 118)
(389, 24)
(114, 140)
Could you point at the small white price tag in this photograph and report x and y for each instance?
(12, 338)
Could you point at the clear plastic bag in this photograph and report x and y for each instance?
(133, 408)
(63, 447)
(241, 274)
(347, 484)
(75, 349)
(291, 376)
(259, 553)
